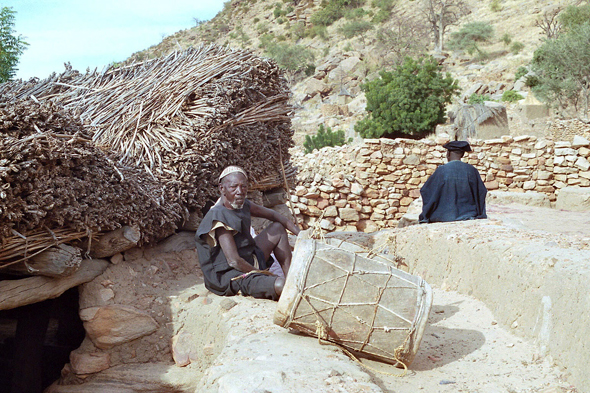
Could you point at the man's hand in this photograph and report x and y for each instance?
(271, 215)
(229, 248)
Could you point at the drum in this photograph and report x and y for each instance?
(346, 295)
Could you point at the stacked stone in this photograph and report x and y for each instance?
(524, 163)
(369, 187)
(566, 130)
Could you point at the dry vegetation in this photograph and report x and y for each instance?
(139, 145)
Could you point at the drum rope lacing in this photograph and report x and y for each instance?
(322, 334)
(322, 330)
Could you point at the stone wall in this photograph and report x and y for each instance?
(369, 186)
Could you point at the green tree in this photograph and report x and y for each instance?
(562, 66)
(409, 100)
(324, 137)
(441, 14)
(11, 45)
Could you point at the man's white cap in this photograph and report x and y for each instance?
(232, 169)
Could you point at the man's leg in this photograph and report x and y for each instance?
(274, 238)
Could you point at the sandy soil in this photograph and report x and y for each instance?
(464, 350)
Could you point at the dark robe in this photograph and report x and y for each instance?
(216, 271)
(454, 192)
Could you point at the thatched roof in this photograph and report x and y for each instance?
(181, 119)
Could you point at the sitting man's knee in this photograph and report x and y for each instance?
(277, 227)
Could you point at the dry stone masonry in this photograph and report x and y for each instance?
(369, 186)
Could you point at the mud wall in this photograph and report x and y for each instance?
(370, 186)
(535, 285)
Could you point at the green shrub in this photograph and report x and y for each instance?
(573, 16)
(511, 96)
(381, 16)
(470, 35)
(12, 45)
(241, 36)
(262, 28)
(384, 5)
(256, 20)
(278, 11)
(297, 30)
(333, 10)
(281, 20)
(266, 40)
(348, 47)
(506, 39)
(355, 13)
(309, 69)
(288, 56)
(495, 6)
(317, 31)
(326, 16)
(410, 100)
(516, 47)
(532, 81)
(478, 98)
(354, 28)
(324, 137)
(520, 72)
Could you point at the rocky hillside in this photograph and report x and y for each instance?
(335, 60)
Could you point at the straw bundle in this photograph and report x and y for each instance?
(137, 145)
(52, 176)
(183, 117)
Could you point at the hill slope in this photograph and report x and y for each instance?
(342, 61)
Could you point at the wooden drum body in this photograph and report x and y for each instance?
(358, 300)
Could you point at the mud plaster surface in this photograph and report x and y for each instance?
(239, 349)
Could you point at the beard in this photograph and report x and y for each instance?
(236, 206)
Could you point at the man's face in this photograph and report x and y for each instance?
(233, 189)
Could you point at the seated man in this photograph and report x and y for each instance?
(233, 261)
(455, 190)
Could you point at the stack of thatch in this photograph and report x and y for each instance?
(52, 176)
(181, 119)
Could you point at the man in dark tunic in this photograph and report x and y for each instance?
(231, 259)
(455, 191)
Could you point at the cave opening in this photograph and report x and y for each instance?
(36, 341)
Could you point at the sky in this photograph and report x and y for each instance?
(94, 33)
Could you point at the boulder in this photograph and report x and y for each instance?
(580, 141)
(184, 350)
(574, 199)
(530, 198)
(358, 104)
(411, 217)
(314, 86)
(116, 324)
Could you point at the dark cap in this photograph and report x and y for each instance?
(457, 146)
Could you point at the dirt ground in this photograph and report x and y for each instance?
(235, 347)
(464, 350)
